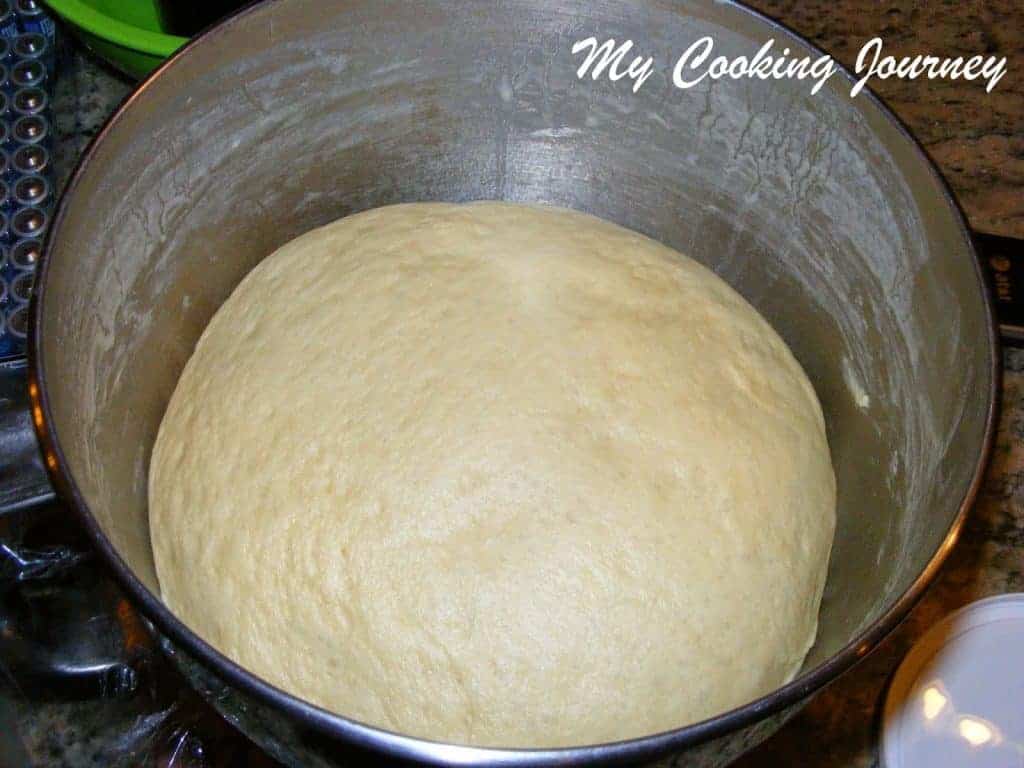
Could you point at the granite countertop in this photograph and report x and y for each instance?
(977, 140)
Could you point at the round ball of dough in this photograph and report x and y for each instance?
(495, 474)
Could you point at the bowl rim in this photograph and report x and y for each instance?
(114, 30)
(403, 747)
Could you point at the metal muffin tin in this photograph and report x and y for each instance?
(26, 183)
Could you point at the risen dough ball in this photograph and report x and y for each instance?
(495, 474)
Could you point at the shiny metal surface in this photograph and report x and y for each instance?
(28, 222)
(29, 101)
(25, 254)
(28, 7)
(30, 72)
(23, 480)
(17, 322)
(820, 209)
(30, 129)
(30, 158)
(21, 287)
(30, 45)
(31, 190)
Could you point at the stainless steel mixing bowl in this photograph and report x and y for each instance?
(818, 208)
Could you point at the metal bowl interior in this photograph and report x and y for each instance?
(819, 209)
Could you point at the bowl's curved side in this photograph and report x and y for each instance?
(292, 743)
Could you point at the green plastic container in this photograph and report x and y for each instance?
(124, 32)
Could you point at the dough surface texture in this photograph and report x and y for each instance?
(495, 474)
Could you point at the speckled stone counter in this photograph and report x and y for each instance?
(85, 94)
(977, 139)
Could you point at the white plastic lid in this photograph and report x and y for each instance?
(957, 700)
